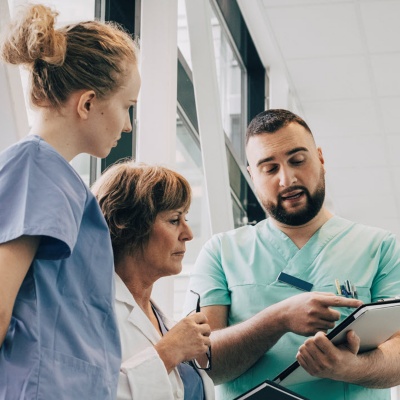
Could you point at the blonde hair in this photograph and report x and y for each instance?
(88, 55)
(131, 196)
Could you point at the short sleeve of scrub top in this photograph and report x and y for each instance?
(38, 197)
(386, 282)
(208, 277)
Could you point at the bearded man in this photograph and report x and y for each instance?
(264, 288)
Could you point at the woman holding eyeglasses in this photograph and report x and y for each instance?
(145, 208)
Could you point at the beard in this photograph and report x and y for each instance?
(307, 213)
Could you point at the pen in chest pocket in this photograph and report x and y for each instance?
(347, 289)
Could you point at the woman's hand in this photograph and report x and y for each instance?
(188, 339)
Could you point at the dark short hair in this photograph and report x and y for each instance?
(271, 121)
(131, 195)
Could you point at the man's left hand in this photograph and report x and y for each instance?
(321, 358)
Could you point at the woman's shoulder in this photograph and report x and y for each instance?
(34, 158)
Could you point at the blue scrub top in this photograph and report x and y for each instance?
(191, 379)
(63, 341)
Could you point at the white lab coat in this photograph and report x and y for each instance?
(143, 374)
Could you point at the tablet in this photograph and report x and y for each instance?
(374, 323)
(271, 391)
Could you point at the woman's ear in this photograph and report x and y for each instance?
(85, 103)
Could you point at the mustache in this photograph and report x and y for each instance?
(291, 189)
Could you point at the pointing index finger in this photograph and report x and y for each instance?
(339, 301)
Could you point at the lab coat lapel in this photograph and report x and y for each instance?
(136, 317)
(139, 319)
(169, 323)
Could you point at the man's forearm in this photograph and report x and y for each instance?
(380, 368)
(236, 348)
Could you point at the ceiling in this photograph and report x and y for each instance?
(341, 63)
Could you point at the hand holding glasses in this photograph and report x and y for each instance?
(208, 354)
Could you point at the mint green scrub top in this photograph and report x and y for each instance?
(239, 269)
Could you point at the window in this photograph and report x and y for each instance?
(189, 164)
(231, 75)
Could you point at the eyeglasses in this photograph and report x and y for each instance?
(208, 354)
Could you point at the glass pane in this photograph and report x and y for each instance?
(246, 208)
(231, 77)
(183, 33)
(239, 214)
(231, 81)
(189, 164)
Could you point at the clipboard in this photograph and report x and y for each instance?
(374, 323)
(271, 391)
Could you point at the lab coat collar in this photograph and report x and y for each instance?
(137, 317)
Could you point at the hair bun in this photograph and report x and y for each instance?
(31, 36)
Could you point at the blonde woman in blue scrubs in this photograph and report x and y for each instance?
(145, 208)
(58, 333)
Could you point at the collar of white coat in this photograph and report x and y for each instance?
(123, 295)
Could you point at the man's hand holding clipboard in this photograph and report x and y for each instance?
(336, 355)
(319, 356)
